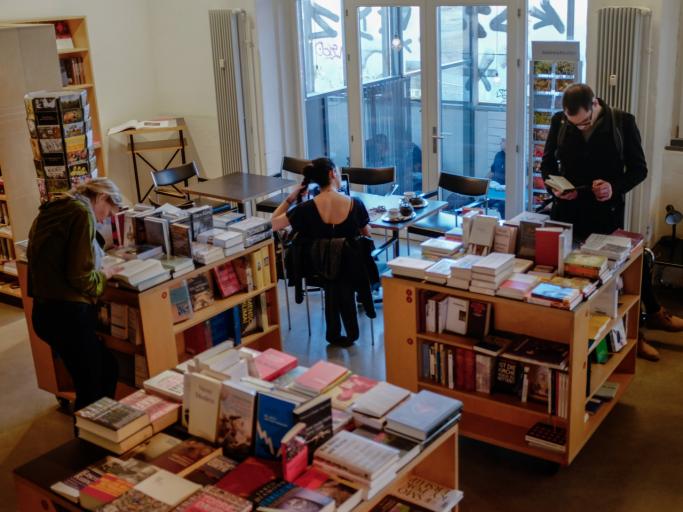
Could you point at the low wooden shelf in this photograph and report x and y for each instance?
(504, 420)
(163, 341)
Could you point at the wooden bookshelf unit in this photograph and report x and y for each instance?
(163, 342)
(78, 27)
(501, 419)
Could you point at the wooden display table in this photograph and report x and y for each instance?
(163, 341)
(501, 419)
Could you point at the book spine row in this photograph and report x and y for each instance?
(73, 71)
(451, 367)
(6, 249)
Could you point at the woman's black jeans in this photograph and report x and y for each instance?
(70, 329)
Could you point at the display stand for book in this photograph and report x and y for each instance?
(438, 463)
(163, 344)
(502, 419)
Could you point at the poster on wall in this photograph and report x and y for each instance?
(555, 65)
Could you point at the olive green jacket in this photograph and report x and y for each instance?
(61, 259)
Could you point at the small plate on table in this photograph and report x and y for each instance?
(423, 203)
(400, 218)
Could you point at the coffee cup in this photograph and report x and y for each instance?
(393, 213)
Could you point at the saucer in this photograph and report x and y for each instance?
(420, 205)
(398, 219)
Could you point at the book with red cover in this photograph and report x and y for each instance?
(547, 246)
(319, 378)
(460, 368)
(197, 338)
(273, 363)
(226, 279)
(103, 491)
(470, 380)
(294, 452)
(212, 471)
(187, 456)
(249, 476)
(636, 238)
(478, 319)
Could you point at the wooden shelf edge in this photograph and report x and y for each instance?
(70, 51)
(455, 340)
(218, 307)
(505, 435)
(624, 380)
(77, 86)
(3, 197)
(5, 235)
(600, 373)
(12, 292)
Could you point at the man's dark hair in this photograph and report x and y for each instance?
(576, 97)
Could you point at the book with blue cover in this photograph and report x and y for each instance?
(422, 414)
(274, 418)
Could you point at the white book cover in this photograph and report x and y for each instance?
(430, 315)
(167, 488)
(412, 267)
(204, 399)
(456, 316)
(538, 218)
(380, 400)
(483, 230)
(440, 271)
(440, 245)
(168, 384)
(228, 239)
(250, 225)
(442, 315)
(494, 263)
(236, 417)
(462, 284)
(207, 237)
(462, 268)
(360, 455)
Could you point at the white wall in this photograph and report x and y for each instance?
(120, 52)
(657, 97)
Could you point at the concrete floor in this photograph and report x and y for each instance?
(633, 462)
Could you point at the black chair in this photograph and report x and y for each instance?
(170, 178)
(370, 175)
(289, 164)
(436, 225)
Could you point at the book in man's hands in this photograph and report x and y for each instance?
(559, 183)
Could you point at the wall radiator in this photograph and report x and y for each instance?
(227, 35)
(623, 34)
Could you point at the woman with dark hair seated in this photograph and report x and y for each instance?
(329, 249)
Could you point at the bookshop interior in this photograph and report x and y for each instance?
(351, 255)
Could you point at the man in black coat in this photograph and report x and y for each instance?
(598, 149)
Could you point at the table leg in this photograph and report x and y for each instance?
(396, 240)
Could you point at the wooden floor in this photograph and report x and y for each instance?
(632, 463)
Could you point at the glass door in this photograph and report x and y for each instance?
(429, 83)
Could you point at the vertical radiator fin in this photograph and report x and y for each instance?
(227, 79)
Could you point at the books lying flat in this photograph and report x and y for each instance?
(136, 272)
(439, 247)
(585, 265)
(462, 269)
(212, 498)
(422, 414)
(118, 447)
(492, 345)
(139, 252)
(321, 377)
(494, 264)
(250, 226)
(540, 352)
(357, 455)
(428, 494)
(440, 272)
(223, 220)
(315, 501)
(613, 247)
(344, 496)
(517, 286)
(520, 265)
(547, 436)
(273, 363)
(584, 285)
(409, 267)
(162, 413)
(167, 488)
(408, 449)
(547, 294)
(187, 456)
(393, 504)
(206, 253)
(71, 487)
(345, 394)
(212, 470)
(111, 420)
(168, 384)
(380, 400)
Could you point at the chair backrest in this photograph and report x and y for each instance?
(465, 185)
(173, 175)
(294, 165)
(370, 175)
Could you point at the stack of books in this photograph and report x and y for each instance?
(224, 219)
(168, 384)
(372, 408)
(321, 377)
(206, 253)
(590, 266)
(440, 272)
(406, 266)
(177, 265)
(138, 252)
(437, 248)
(549, 437)
(547, 294)
(231, 241)
(461, 271)
(518, 286)
(423, 416)
(490, 272)
(616, 248)
(141, 274)
(585, 286)
(112, 425)
(253, 230)
(361, 461)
